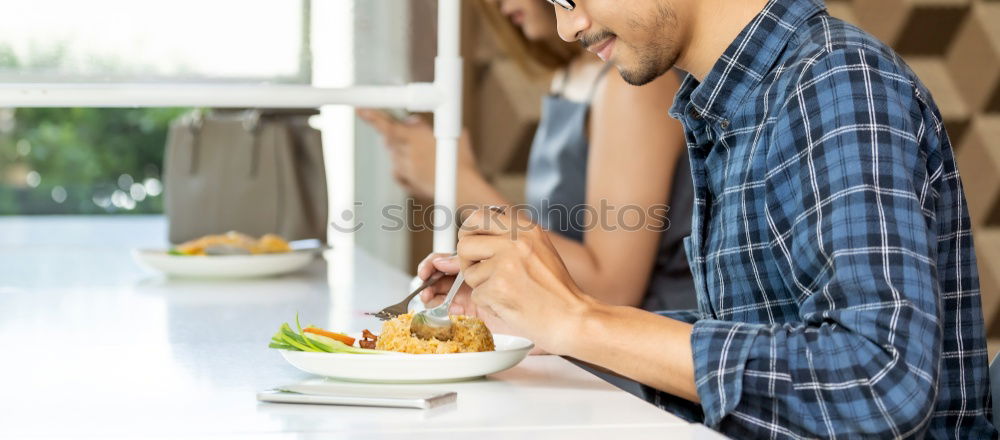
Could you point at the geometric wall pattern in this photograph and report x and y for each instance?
(954, 47)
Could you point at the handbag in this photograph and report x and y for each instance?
(252, 171)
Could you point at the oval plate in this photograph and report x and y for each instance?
(227, 266)
(413, 368)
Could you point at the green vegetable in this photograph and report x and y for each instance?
(331, 345)
(302, 335)
(176, 252)
(288, 339)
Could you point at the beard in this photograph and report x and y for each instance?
(650, 68)
(660, 55)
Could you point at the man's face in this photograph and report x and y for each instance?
(641, 37)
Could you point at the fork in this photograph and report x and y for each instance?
(401, 308)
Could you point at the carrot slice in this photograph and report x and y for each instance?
(340, 337)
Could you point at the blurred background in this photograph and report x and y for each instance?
(109, 162)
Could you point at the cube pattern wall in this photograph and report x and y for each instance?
(954, 47)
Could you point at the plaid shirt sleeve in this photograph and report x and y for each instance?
(852, 225)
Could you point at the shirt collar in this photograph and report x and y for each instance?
(745, 62)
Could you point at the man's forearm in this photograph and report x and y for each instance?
(648, 348)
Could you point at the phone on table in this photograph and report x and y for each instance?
(357, 396)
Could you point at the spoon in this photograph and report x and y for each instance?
(435, 323)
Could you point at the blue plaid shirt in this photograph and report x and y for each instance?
(830, 246)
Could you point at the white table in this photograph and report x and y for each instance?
(94, 347)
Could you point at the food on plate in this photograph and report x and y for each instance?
(315, 339)
(338, 336)
(368, 340)
(469, 335)
(267, 244)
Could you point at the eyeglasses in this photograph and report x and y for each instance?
(568, 5)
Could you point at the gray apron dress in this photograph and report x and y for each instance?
(555, 191)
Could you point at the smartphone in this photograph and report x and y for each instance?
(398, 114)
(359, 397)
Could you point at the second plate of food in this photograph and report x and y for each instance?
(223, 266)
(229, 255)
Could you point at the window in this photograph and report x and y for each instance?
(154, 40)
(92, 160)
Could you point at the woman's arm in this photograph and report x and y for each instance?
(634, 148)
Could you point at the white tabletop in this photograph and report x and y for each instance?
(93, 346)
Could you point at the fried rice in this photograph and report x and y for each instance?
(469, 335)
(267, 244)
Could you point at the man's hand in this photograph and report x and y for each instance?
(521, 287)
(435, 294)
(516, 275)
(462, 304)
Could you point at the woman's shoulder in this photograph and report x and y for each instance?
(579, 79)
(614, 91)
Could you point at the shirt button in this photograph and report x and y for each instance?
(724, 124)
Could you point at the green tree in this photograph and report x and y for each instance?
(73, 160)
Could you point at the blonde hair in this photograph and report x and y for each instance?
(535, 58)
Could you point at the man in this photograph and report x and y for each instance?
(831, 248)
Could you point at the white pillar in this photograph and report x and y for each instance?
(447, 122)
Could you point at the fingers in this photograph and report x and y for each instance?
(379, 120)
(416, 121)
(426, 267)
(467, 308)
(400, 178)
(498, 220)
(485, 221)
(475, 248)
(461, 304)
(393, 131)
(479, 273)
(434, 302)
(448, 264)
(433, 263)
(439, 288)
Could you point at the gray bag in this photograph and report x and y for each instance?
(252, 171)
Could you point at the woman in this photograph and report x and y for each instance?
(605, 154)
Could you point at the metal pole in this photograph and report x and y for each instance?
(415, 97)
(447, 123)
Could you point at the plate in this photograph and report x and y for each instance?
(413, 368)
(227, 266)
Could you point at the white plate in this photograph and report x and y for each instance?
(413, 368)
(228, 266)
